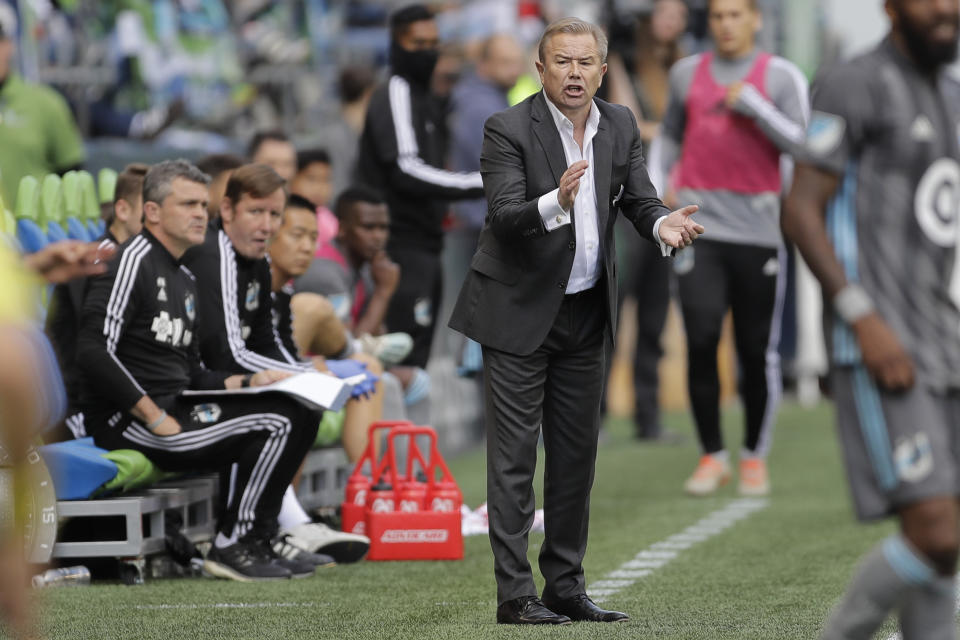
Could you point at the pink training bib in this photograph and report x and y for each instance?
(723, 150)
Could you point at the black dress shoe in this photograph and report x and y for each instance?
(528, 610)
(582, 608)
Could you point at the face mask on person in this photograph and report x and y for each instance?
(414, 65)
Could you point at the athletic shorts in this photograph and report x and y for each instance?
(899, 448)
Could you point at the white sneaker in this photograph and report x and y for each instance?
(319, 538)
(390, 348)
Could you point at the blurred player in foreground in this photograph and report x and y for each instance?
(32, 397)
(874, 210)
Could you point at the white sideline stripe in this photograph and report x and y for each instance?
(233, 605)
(896, 634)
(660, 553)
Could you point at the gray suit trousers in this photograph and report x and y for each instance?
(557, 387)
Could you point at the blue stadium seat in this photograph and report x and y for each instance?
(51, 208)
(89, 205)
(72, 203)
(30, 234)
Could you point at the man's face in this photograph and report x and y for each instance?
(669, 20)
(929, 28)
(571, 71)
(314, 183)
(365, 229)
(278, 155)
(6, 56)
(251, 222)
(292, 249)
(182, 216)
(422, 35)
(734, 26)
(505, 64)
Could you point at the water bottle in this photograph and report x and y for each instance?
(64, 577)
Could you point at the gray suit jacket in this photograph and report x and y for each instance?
(518, 276)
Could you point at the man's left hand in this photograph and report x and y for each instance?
(678, 230)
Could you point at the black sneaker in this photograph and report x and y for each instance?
(297, 568)
(245, 562)
(286, 549)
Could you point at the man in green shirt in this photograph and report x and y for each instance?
(38, 134)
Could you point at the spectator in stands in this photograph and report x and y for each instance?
(274, 149)
(475, 98)
(313, 182)
(38, 134)
(356, 84)
(138, 352)
(638, 78)
(401, 154)
(218, 166)
(124, 220)
(357, 276)
(236, 303)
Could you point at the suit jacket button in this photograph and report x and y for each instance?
(562, 285)
(572, 245)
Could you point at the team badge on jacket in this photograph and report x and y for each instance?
(252, 300)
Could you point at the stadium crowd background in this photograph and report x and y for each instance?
(150, 81)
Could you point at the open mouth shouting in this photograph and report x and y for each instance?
(574, 90)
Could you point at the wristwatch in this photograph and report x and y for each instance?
(38, 500)
(245, 381)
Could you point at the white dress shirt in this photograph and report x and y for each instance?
(586, 260)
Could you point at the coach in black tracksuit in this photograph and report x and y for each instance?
(401, 154)
(138, 351)
(234, 280)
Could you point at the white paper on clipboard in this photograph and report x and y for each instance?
(314, 389)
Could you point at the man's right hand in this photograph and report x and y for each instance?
(883, 355)
(268, 376)
(570, 184)
(385, 272)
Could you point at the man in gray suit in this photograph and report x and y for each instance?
(541, 300)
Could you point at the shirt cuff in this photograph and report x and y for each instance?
(551, 212)
(665, 250)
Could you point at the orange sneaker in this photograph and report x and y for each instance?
(754, 480)
(710, 475)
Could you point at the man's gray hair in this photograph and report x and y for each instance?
(158, 183)
(577, 26)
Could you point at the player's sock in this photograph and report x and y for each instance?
(884, 578)
(291, 511)
(928, 613)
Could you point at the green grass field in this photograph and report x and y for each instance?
(773, 575)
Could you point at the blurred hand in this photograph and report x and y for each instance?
(733, 94)
(169, 427)
(268, 376)
(64, 261)
(570, 184)
(385, 272)
(883, 355)
(679, 230)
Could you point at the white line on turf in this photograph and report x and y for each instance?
(660, 553)
(233, 605)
